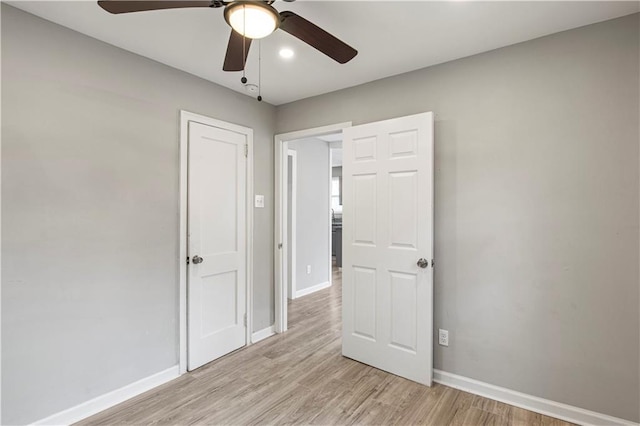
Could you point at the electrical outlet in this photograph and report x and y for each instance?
(308, 269)
(443, 337)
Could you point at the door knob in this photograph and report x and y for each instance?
(197, 259)
(423, 263)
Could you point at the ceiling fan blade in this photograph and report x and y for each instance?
(233, 60)
(316, 37)
(126, 6)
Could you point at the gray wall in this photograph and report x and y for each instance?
(536, 207)
(313, 212)
(537, 193)
(90, 213)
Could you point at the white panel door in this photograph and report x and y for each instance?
(217, 281)
(388, 236)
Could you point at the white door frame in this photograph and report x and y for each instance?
(281, 255)
(294, 203)
(185, 118)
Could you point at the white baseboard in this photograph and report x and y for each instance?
(108, 400)
(528, 402)
(312, 289)
(263, 334)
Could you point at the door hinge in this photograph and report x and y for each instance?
(246, 150)
(245, 320)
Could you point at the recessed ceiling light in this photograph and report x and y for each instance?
(286, 53)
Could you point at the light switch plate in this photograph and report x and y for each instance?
(260, 201)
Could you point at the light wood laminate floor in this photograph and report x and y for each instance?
(300, 377)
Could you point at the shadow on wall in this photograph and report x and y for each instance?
(445, 182)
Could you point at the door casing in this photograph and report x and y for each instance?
(185, 118)
(294, 188)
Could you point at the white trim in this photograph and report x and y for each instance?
(528, 402)
(110, 399)
(280, 254)
(330, 217)
(313, 289)
(249, 236)
(0, 257)
(185, 118)
(182, 242)
(294, 215)
(263, 334)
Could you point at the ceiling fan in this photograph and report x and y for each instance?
(249, 19)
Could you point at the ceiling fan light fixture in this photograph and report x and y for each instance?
(260, 18)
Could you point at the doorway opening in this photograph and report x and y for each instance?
(387, 285)
(308, 217)
(314, 213)
(336, 202)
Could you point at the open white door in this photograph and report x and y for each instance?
(217, 281)
(388, 246)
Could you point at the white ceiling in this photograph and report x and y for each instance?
(392, 37)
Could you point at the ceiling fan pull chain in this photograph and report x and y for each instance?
(259, 70)
(244, 47)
